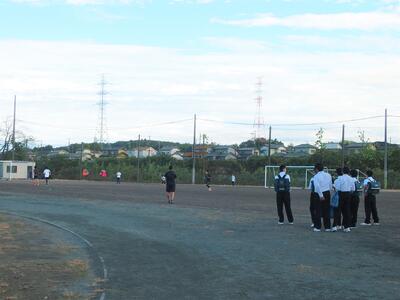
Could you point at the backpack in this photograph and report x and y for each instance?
(374, 187)
(335, 200)
(359, 187)
(282, 184)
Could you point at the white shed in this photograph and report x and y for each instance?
(16, 169)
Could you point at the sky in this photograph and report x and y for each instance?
(321, 63)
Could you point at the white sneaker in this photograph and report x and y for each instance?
(377, 224)
(365, 224)
(316, 230)
(347, 230)
(290, 223)
(328, 230)
(280, 223)
(312, 225)
(334, 229)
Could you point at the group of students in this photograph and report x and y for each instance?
(339, 198)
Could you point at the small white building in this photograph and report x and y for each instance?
(143, 152)
(16, 169)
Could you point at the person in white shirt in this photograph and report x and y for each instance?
(282, 189)
(323, 186)
(370, 202)
(345, 186)
(233, 180)
(46, 174)
(118, 175)
(337, 211)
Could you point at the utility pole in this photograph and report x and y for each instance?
(193, 151)
(138, 159)
(13, 132)
(80, 162)
(269, 145)
(343, 146)
(385, 167)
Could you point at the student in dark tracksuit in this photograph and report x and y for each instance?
(323, 187)
(355, 199)
(170, 178)
(370, 201)
(282, 189)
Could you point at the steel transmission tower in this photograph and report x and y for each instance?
(101, 129)
(259, 124)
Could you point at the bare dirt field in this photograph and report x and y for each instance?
(224, 244)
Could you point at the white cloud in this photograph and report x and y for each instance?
(334, 21)
(56, 85)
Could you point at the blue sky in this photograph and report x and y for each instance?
(166, 60)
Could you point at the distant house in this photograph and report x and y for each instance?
(358, 147)
(86, 154)
(16, 169)
(380, 146)
(110, 152)
(122, 153)
(143, 152)
(58, 153)
(246, 153)
(222, 153)
(333, 146)
(305, 149)
(200, 151)
(275, 149)
(177, 156)
(168, 151)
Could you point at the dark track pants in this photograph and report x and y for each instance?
(283, 199)
(355, 202)
(345, 208)
(370, 207)
(313, 198)
(322, 209)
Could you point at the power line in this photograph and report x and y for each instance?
(295, 124)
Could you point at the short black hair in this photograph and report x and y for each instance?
(339, 171)
(369, 173)
(353, 173)
(170, 167)
(281, 168)
(346, 170)
(319, 167)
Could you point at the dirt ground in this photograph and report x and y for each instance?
(224, 244)
(38, 262)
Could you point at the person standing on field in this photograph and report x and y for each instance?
(282, 189)
(323, 187)
(370, 200)
(233, 180)
(207, 179)
(46, 175)
(118, 175)
(170, 178)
